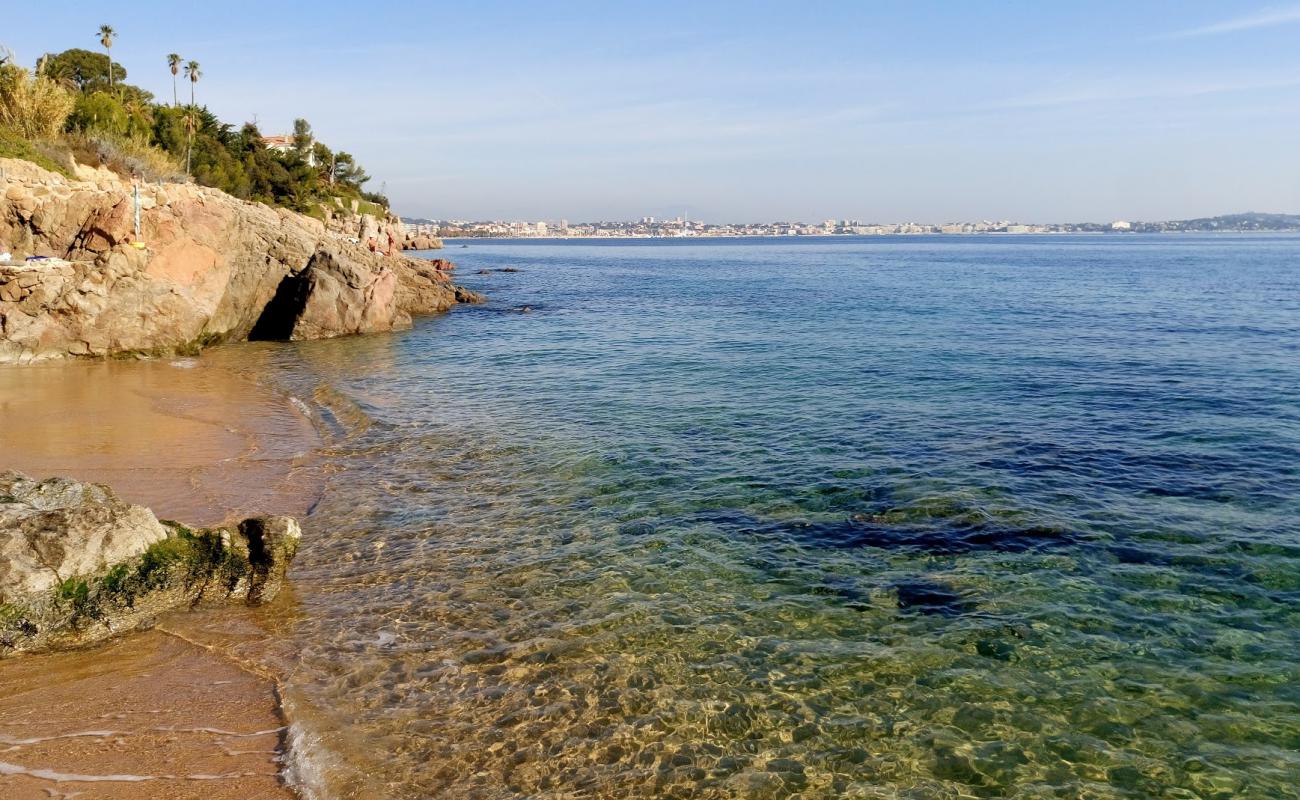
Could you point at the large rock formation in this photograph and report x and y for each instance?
(206, 268)
(77, 564)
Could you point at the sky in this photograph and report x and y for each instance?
(874, 110)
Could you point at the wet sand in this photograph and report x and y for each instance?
(194, 439)
(168, 712)
(149, 715)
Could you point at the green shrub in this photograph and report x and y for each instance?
(49, 156)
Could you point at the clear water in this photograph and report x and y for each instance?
(918, 518)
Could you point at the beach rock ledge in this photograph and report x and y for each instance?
(78, 564)
(204, 268)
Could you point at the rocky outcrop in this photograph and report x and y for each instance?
(421, 241)
(77, 564)
(422, 286)
(205, 268)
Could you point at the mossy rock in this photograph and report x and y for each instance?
(182, 567)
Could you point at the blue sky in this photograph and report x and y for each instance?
(881, 111)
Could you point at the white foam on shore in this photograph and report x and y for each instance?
(72, 777)
(220, 732)
(10, 740)
(301, 406)
(69, 777)
(304, 763)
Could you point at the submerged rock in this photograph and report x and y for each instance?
(78, 564)
(930, 597)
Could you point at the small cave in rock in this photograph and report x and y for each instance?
(277, 320)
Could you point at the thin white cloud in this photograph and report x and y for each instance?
(1118, 91)
(1264, 18)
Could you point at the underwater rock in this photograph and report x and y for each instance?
(896, 530)
(636, 528)
(998, 649)
(78, 564)
(930, 597)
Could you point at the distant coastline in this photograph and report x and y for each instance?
(805, 237)
(682, 228)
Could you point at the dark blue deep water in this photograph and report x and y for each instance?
(925, 518)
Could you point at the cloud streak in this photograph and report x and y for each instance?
(1264, 18)
(1150, 90)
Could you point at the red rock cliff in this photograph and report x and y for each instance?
(207, 268)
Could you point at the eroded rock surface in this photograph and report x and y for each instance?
(78, 564)
(206, 268)
(421, 241)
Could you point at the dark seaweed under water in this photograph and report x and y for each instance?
(923, 518)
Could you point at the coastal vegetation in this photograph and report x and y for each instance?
(77, 106)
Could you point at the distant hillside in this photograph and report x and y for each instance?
(1250, 221)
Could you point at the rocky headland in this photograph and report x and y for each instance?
(205, 268)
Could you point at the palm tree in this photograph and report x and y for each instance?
(106, 37)
(192, 72)
(139, 117)
(189, 131)
(174, 61)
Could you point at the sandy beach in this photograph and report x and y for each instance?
(167, 712)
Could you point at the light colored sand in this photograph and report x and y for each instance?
(193, 439)
(152, 715)
(147, 716)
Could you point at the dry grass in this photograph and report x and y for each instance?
(33, 106)
(126, 157)
(53, 156)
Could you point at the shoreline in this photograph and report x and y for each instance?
(786, 237)
(172, 710)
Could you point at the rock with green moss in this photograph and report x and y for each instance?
(78, 564)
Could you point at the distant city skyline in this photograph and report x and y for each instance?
(736, 112)
(653, 227)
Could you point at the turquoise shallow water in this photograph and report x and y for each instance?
(927, 518)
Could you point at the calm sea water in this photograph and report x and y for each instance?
(920, 518)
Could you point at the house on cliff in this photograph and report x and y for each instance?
(285, 144)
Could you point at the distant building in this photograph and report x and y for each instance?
(1121, 225)
(285, 144)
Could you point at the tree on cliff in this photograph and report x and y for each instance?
(347, 171)
(174, 61)
(106, 37)
(193, 72)
(302, 137)
(121, 127)
(86, 70)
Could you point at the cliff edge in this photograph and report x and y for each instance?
(205, 268)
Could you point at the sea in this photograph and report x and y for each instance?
(896, 517)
